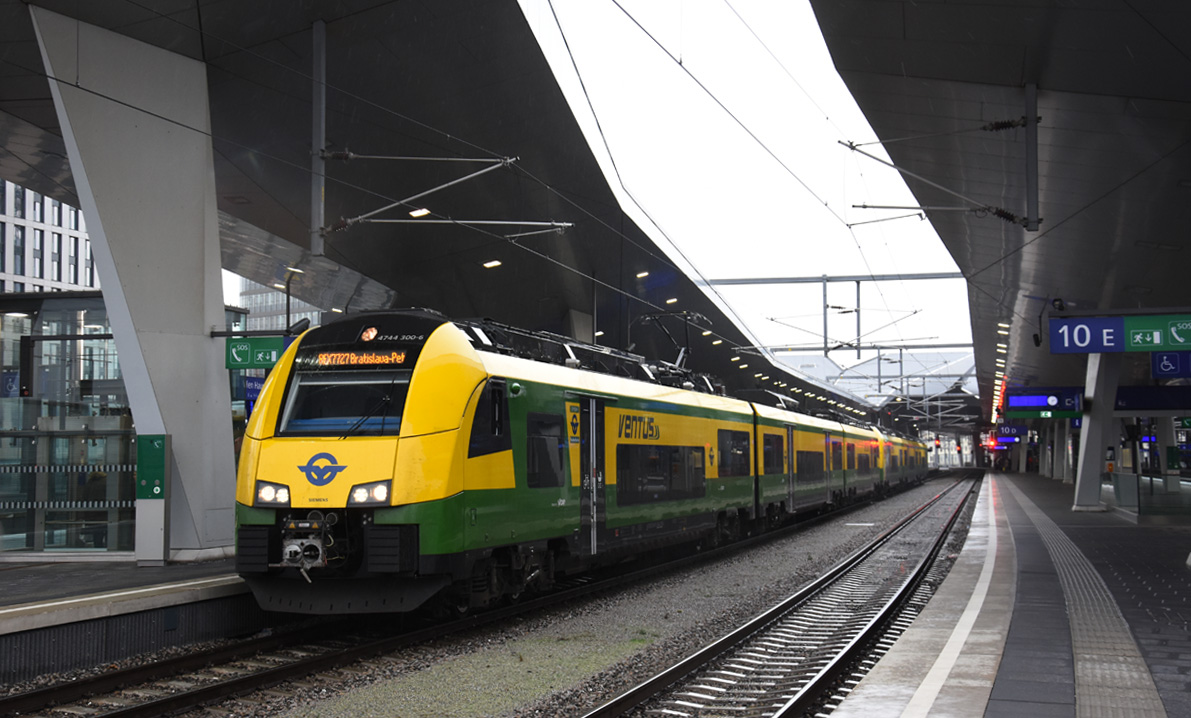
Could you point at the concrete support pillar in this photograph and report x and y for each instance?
(1099, 430)
(1164, 428)
(1046, 437)
(1062, 451)
(1020, 451)
(137, 128)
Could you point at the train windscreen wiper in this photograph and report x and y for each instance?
(384, 402)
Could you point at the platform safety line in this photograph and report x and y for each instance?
(173, 587)
(924, 698)
(1112, 678)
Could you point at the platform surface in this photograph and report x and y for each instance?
(36, 595)
(1046, 613)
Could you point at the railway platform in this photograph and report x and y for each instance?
(1046, 612)
(58, 616)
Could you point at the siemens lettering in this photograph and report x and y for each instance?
(638, 427)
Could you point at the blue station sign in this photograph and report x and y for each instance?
(1170, 364)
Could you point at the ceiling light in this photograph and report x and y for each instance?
(757, 374)
(706, 332)
(1001, 351)
(1003, 332)
(295, 270)
(599, 334)
(491, 263)
(642, 275)
(1003, 346)
(717, 341)
(337, 310)
(765, 378)
(671, 300)
(734, 359)
(744, 366)
(18, 314)
(1004, 325)
(419, 212)
(279, 286)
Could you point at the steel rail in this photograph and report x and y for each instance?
(812, 692)
(639, 695)
(61, 693)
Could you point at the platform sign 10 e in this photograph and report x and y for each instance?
(1102, 335)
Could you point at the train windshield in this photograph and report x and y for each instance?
(339, 404)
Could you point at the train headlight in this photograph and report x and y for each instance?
(268, 494)
(375, 493)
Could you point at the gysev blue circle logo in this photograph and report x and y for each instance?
(321, 474)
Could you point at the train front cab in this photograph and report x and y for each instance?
(351, 477)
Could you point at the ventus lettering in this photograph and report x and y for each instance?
(635, 426)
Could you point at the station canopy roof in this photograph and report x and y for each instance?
(1113, 156)
(468, 81)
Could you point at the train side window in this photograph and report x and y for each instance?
(810, 465)
(863, 465)
(734, 453)
(837, 456)
(647, 473)
(773, 450)
(545, 442)
(489, 429)
(851, 457)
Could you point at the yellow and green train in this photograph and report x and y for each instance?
(397, 458)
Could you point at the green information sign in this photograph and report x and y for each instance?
(1185, 422)
(152, 453)
(254, 352)
(1160, 331)
(1041, 414)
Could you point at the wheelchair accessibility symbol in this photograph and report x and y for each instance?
(1170, 364)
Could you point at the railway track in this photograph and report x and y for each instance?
(187, 682)
(802, 656)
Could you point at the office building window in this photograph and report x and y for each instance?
(3, 197)
(56, 257)
(72, 216)
(37, 207)
(18, 286)
(39, 254)
(74, 261)
(89, 269)
(56, 213)
(18, 250)
(18, 201)
(3, 239)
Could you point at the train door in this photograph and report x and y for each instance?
(791, 472)
(591, 472)
(830, 466)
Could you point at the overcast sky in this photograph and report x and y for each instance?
(722, 121)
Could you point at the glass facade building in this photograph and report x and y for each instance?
(67, 442)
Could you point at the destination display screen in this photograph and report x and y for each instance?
(360, 358)
(339, 359)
